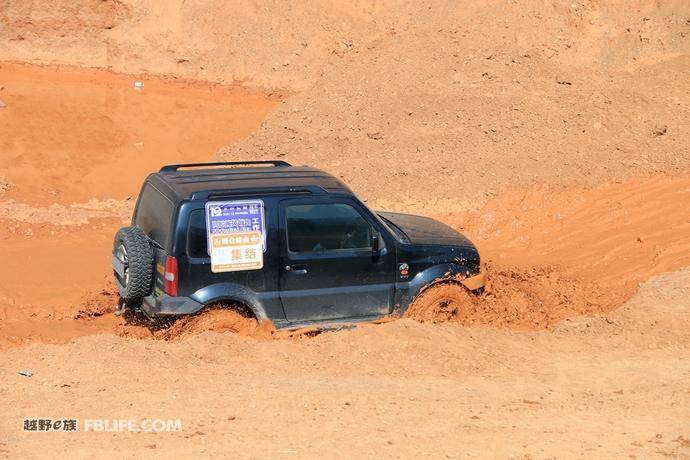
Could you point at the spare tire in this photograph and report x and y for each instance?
(132, 264)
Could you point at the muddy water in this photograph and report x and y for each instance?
(69, 135)
(72, 136)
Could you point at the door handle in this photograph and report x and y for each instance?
(300, 269)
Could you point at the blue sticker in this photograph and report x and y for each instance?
(227, 217)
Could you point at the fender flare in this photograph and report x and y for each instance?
(450, 272)
(233, 292)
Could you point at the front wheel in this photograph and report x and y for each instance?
(439, 303)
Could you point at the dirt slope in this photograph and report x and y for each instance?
(269, 44)
(457, 104)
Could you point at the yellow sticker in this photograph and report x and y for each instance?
(236, 251)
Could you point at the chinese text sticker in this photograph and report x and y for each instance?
(236, 235)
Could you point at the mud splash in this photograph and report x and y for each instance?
(534, 298)
(220, 318)
(515, 298)
(99, 303)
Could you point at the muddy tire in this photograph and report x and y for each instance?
(132, 248)
(439, 303)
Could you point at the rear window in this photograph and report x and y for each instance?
(196, 234)
(154, 214)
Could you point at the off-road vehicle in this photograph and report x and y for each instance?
(292, 244)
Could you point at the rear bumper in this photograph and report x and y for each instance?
(475, 282)
(165, 305)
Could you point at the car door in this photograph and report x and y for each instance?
(330, 269)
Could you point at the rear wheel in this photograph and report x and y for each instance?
(132, 264)
(439, 302)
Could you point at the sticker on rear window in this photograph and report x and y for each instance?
(236, 235)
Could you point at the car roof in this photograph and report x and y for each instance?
(201, 181)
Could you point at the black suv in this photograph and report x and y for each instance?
(318, 254)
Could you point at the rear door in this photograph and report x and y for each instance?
(154, 214)
(329, 269)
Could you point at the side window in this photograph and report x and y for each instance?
(197, 244)
(326, 227)
(154, 214)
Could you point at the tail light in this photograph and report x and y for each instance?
(170, 276)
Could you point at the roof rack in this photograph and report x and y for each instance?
(276, 163)
(264, 191)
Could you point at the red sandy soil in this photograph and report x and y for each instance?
(554, 134)
(612, 386)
